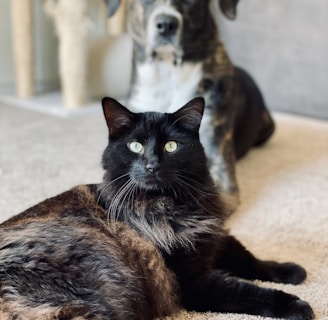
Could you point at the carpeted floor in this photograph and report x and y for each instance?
(284, 187)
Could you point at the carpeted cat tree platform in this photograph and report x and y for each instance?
(284, 187)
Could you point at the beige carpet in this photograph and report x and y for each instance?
(284, 187)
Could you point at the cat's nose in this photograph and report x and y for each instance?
(152, 167)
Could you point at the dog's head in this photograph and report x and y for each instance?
(184, 28)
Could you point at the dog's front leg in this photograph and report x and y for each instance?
(217, 139)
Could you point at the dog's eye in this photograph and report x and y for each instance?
(136, 147)
(170, 146)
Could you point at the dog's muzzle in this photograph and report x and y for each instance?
(164, 34)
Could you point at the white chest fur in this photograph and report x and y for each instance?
(164, 87)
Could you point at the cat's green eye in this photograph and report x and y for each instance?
(170, 146)
(136, 147)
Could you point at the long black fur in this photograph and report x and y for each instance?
(147, 241)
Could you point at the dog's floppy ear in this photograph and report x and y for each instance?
(112, 6)
(229, 8)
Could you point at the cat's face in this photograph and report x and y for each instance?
(153, 151)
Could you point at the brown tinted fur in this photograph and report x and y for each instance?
(155, 281)
(144, 242)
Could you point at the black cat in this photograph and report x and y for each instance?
(144, 243)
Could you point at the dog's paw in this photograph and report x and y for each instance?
(286, 272)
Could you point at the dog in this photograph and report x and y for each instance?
(178, 55)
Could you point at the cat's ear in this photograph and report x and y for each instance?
(190, 115)
(117, 116)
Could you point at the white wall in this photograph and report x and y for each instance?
(284, 44)
(45, 50)
(7, 78)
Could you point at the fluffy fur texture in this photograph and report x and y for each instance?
(142, 244)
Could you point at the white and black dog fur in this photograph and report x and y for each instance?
(178, 55)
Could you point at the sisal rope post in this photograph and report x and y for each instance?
(116, 24)
(22, 30)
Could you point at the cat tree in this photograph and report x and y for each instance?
(83, 28)
(75, 29)
(21, 17)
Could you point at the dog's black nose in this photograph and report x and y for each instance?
(166, 24)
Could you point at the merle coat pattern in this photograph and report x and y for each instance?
(145, 242)
(178, 55)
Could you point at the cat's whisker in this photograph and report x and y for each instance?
(133, 195)
(183, 184)
(114, 202)
(193, 183)
(182, 190)
(173, 189)
(118, 200)
(104, 187)
(125, 201)
(189, 190)
(130, 200)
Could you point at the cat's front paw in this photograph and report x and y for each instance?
(296, 309)
(287, 306)
(286, 272)
(300, 310)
